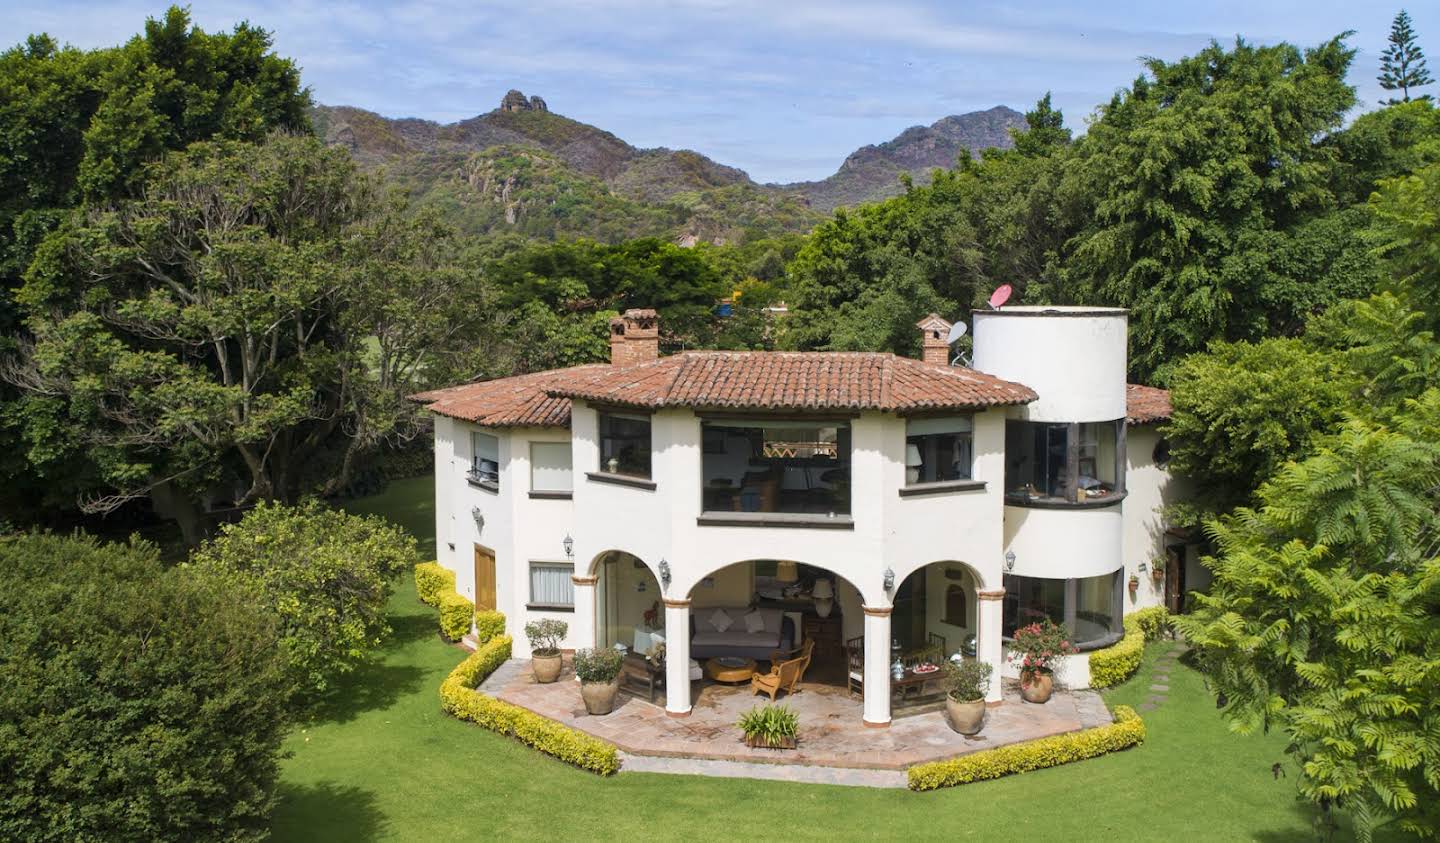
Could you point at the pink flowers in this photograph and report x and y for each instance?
(1039, 646)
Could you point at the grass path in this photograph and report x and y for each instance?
(385, 764)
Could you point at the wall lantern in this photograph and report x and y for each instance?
(664, 573)
(569, 547)
(1009, 560)
(479, 518)
(889, 579)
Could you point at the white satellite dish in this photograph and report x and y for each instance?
(956, 332)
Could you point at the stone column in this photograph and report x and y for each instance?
(582, 628)
(989, 647)
(677, 658)
(877, 666)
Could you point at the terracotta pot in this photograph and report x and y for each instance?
(1158, 574)
(600, 696)
(547, 668)
(965, 717)
(1037, 686)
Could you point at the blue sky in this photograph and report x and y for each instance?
(784, 89)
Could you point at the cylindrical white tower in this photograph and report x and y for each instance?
(1073, 357)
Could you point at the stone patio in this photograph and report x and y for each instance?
(831, 731)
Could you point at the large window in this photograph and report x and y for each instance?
(625, 444)
(1089, 607)
(776, 466)
(550, 467)
(485, 460)
(551, 586)
(1048, 462)
(938, 450)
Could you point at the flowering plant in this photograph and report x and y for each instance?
(1038, 646)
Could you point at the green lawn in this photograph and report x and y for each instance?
(385, 763)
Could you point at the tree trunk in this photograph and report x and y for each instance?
(169, 502)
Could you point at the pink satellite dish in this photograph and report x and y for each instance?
(1000, 296)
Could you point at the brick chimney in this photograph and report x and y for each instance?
(934, 333)
(634, 337)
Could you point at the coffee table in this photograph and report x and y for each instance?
(731, 669)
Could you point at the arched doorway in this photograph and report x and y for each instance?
(628, 603)
(937, 606)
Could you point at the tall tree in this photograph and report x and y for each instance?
(1402, 65)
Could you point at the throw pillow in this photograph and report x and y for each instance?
(721, 620)
(755, 622)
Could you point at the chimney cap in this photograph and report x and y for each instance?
(933, 322)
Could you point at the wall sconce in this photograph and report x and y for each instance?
(1009, 560)
(664, 573)
(889, 579)
(479, 518)
(569, 547)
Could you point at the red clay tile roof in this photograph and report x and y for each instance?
(735, 380)
(519, 401)
(1145, 404)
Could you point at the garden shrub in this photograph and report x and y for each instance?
(456, 613)
(139, 702)
(1113, 665)
(459, 698)
(1127, 731)
(488, 624)
(433, 580)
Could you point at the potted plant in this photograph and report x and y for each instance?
(598, 669)
(1157, 569)
(1134, 584)
(1037, 648)
(966, 682)
(770, 727)
(545, 636)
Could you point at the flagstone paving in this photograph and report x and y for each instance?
(831, 732)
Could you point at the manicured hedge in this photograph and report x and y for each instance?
(433, 580)
(455, 615)
(1127, 731)
(1113, 665)
(488, 624)
(459, 698)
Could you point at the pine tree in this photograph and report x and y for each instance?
(1402, 65)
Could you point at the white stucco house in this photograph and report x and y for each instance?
(868, 501)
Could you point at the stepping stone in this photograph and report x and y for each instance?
(1156, 698)
(1145, 706)
(1158, 687)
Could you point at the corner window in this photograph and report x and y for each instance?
(485, 460)
(776, 466)
(1064, 463)
(938, 450)
(550, 467)
(1089, 607)
(551, 586)
(625, 444)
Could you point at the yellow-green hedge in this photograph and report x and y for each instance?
(1113, 665)
(432, 580)
(455, 615)
(459, 698)
(1127, 731)
(488, 624)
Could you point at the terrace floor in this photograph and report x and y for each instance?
(831, 731)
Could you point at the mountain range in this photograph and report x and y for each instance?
(524, 168)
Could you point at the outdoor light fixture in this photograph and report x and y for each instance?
(1009, 560)
(664, 572)
(479, 518)
(889, 579)
(569, 546)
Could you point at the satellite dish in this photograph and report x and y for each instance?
(1000, 296)
(956, 332)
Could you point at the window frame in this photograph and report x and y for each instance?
(957, 483)
(1070, 604)
(712, 425)
(531, 602)
(477, 477)
(569, 467)
(602, 416)
(1071, 469)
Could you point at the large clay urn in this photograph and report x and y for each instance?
(965, 717)
(600, 696)
(547, 668)
(1036, 686)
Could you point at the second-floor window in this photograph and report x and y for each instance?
(776, 466)
(485, 460)
(625, 444)
(1059, 462)
(550, 467)
(938, 450)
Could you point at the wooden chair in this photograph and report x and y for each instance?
(855, 664)
(638, 670)
(782, 677)
(804, 652)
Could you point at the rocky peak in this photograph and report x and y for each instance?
(516, 101)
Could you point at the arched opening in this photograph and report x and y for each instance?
(628, 608)
(936, 613)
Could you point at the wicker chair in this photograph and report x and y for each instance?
(804, 652)
(782, 677)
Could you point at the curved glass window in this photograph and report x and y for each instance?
(1063, 463)
(1089, 607)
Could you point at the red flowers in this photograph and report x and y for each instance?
(1039, 646)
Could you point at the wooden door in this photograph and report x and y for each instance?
(484, 578)
(1175, 578)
